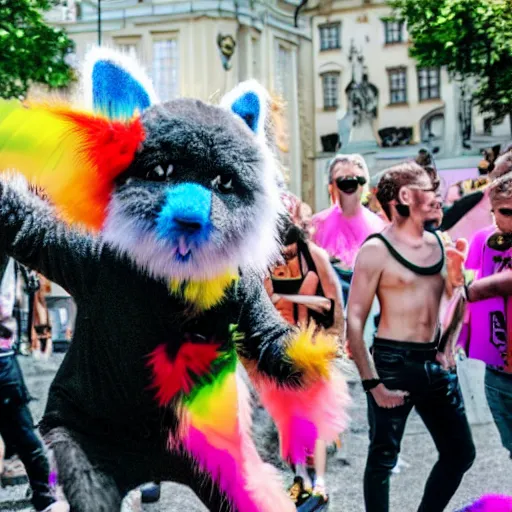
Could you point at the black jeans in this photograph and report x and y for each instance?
(17, 430)
(438, 400)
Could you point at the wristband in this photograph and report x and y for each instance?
(369, 384)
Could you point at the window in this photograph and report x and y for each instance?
(393, 31)
(330, 85)
(284, 90)
(129, 46)
(429, 83)
(397, 85)
(330, 36)
(166, 63)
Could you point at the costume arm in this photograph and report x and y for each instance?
(31, 234)
(493, 286)
(294, 374)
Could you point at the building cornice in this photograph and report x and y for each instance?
(115, 18)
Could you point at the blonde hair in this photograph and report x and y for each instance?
(353, 159)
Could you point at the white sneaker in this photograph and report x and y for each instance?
(132, 502)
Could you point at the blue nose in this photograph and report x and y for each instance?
(186, 212)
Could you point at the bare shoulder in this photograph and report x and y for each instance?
(318, 253)
(431, 238)
(372, 256)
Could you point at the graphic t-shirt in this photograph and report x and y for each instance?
(490, 329)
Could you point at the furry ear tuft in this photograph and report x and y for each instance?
(249, 100)
(114, 85)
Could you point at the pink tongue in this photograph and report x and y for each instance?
(183, 248)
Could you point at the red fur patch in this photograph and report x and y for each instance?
(111, 144)
(171, 377)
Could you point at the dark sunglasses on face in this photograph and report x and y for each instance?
(349, 183)
(506, 212)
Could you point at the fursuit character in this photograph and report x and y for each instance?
(181, 204)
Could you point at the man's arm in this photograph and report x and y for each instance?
(493, 286)
(31, 234)
(363, 288)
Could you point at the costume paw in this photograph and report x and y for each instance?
(312, 353)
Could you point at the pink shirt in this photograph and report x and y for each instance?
(342, 236)
(488, 319)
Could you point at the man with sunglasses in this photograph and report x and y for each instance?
(490, 295)
(404, 267)
(342, 228)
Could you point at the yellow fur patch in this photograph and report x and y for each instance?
(203, 294)
(312, 353)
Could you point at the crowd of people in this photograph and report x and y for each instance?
(408, 284)
(397, 264)
(396, 277)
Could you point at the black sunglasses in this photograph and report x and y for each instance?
(506, 212)
(348, 183)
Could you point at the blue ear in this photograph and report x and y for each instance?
(249, 100)
(248, 108)
(116, 93)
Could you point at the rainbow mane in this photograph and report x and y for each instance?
(73, 156)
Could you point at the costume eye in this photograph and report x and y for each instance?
(223, 184)
(156, 174)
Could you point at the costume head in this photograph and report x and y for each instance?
(407, 190)
(348, 179)
(187, 190)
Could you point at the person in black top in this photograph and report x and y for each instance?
(404, 267)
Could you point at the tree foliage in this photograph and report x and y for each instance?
(472, 38)
(31, 51)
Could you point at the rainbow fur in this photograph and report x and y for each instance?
(312, 354)
(73, 156)
(215, 431)
(203, 294)
(314, 410)
(490, 503)
(172, 377)
(305, 414)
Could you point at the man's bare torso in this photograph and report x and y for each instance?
(409, 302)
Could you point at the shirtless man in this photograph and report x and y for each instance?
(404, 268)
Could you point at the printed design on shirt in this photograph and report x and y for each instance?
(498, 331)
(502, 263)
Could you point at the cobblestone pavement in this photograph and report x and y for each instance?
(490, 474)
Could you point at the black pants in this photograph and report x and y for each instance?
(17, 430)
(438, 400)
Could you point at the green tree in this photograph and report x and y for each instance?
(472, 38)
(31, 51)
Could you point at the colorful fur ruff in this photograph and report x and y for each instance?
(73, 156)
(203, 295)
(314, 410)
(490, 503)
(311, 353)
(215, 427)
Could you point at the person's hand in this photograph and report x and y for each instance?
(447, 360)
(388, 398)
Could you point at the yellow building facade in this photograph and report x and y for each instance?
(179, 43)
